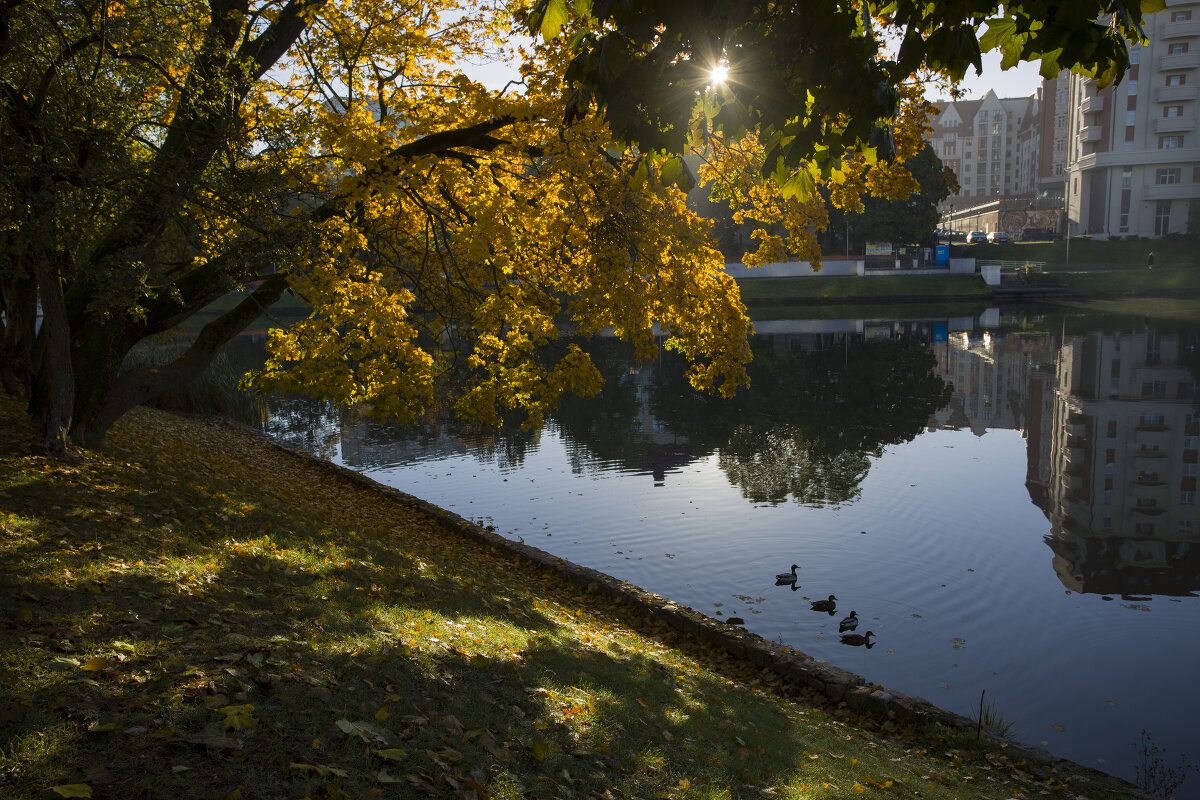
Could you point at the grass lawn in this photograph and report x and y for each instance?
(192, 613)
(1139, 281)
(1089, 254)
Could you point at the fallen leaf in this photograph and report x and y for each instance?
(539, 748)
(392, 754)
(72, 790)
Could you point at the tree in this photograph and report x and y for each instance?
(158, 154)
(908, 220)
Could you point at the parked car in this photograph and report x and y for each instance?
(1037, 235)
(975, 237)
(998, 236)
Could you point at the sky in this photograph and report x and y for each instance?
(1020, 81)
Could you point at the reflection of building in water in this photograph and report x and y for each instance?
(1121, 494)
(991, 377)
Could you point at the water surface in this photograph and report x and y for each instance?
(1007, 502)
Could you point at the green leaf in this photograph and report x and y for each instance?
(72, 790)
(999, 32)
(554, 16)
(670, 170)
(799, 184)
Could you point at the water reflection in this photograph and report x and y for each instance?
(1117, 476)
(1109, 417)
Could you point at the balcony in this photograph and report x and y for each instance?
(1174, 124)
(1091, 133)
(1179, 61)
(1179, 30)
(1091, 105)
(1174, 94)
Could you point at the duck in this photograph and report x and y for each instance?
(848, 623)
(787, 577)
(825, 605)
(857, 639)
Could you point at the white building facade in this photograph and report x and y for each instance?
(1133, 149)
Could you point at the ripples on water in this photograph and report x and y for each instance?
(920, 471)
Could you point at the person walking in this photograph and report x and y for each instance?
(1150, 260)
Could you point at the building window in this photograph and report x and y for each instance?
(1167, 175)
(1132, 92)
(1187, 498)
(1170, 142)
(1129, 117)
(1162, 224)
(948, 147)
(1177, 47)
(1173, 111)
(1181, 16)
(1176, 80)
(1144, 529)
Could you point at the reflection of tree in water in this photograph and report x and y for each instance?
(304, 424)
(806, 427)
(770, 464)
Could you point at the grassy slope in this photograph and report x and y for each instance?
(192, 613)
(1088, 254)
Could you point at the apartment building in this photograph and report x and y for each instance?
(978, 140)
(1133, 160)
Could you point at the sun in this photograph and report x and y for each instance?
(719, 74)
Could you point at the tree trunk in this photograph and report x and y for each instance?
(20, 330)
(104, 396)
(52, 385)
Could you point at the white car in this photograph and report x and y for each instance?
(998, 236)
(975, 237)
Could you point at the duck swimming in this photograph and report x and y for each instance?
(857, 639)
(848, 623)
(787, 577)
(825, 605)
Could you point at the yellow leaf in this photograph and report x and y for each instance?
(72, 790)
(382, 714)
(539, 749)
(94, 665)
(392, 754)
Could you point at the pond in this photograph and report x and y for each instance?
(1006, 500)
